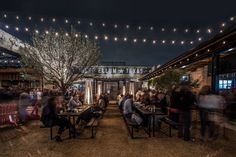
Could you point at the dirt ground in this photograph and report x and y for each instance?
(112, 139)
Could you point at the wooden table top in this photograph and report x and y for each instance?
(78, 111)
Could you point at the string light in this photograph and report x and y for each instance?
(208, 50)
(128, 26)
(86, 36)
(223, 24)
(91, 24)
(67, 34)
(209, 30)
(115, 26)
(96, 37)
(144, 40)
(196, 54)
(56, 33)
(103, 25)
(106, 37)
(224, 42)
(36, 31)
(163, 29)
(76, 35)
(6, 26)
(79, 22)
(135, 40)
(221, 31)
(42, 19)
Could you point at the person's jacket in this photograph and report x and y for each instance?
(49, 114)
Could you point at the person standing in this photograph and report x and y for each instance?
(187, 101)
(209, 106)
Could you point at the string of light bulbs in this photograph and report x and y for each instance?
(114, 38)
(208, 30)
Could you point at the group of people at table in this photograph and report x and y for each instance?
(52, 113)
(177, 105)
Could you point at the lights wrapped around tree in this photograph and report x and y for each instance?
(61, 59)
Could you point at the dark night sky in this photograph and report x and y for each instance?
(198, 14)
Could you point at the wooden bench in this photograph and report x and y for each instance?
(93, 124)
(131, 125)
(171, 124)
(51, 130)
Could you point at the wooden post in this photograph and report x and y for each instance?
(215, 72)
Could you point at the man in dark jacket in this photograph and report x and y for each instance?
(50, 118)
(186, 102)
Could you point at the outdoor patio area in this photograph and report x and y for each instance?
(112, 139)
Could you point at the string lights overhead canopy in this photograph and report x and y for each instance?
(116, 32)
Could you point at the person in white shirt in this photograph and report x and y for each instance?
(127, 107)
(74, 102)
(210, 105)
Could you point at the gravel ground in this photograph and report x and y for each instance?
(112, 139)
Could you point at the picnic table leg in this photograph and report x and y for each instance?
(74, 126)
(153, 125)
(149, 126)
(51, 133)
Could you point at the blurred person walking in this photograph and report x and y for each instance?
(210, 106)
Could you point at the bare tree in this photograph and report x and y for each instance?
(61, 57)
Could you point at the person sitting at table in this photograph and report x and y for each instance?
(74, 102)
(50, 118)
(127, 107)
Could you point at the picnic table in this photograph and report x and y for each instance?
(75, 114)
(150, 112)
